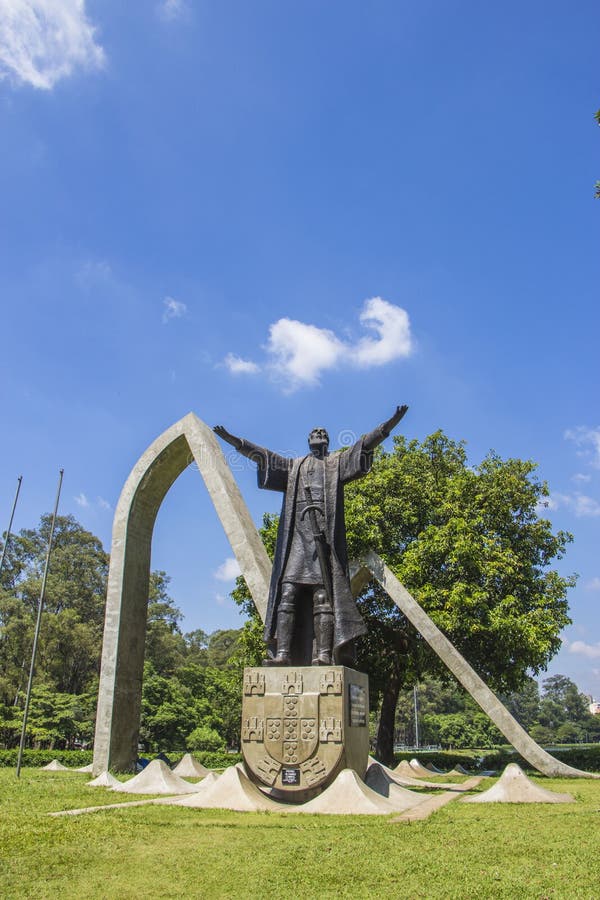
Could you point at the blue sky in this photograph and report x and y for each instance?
(283, 214)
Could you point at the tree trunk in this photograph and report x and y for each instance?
(384, 751)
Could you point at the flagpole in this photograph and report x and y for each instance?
(8, 530)
(37, 627)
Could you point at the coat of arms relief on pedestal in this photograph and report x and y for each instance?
(292, 732)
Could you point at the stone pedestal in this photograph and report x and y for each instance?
(302, 725)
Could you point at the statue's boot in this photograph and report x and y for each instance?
(323, 627)
(285, 631)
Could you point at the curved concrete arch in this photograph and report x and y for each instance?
(372, 566)
(119, 698)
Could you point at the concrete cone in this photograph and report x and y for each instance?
(419, 770)
(231, 790)
(458, 770)
(188, 767)
(156, 778)
(105, 779)
(85, 768)
(514, 786)
(55, 766)
(195, 798)
(382, 783)
(349, 796)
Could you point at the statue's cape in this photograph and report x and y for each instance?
(282, 474)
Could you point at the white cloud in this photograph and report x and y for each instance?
(103, 504)
(239, 366)
(228, 570)
(169, 10)
(42, 41)
(221, 599)
(591, 651)
(82, 500)
(548, 504)
(580, 504)
(299, 353)
(587, 440)
(392, 326)
(581, 478)
(593, 584)
(174, 309)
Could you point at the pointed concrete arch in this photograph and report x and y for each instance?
(119, 698)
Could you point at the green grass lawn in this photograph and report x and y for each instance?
(462, 851)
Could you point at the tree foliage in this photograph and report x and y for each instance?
(448, 717)
(191, 680)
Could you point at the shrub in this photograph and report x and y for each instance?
(205, 738)
(74, 759)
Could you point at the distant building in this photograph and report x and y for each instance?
(594, 707)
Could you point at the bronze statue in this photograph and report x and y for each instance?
(311, 615)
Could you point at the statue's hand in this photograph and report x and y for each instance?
(399, 414)
(222, 432)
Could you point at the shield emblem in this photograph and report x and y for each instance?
(291, 732)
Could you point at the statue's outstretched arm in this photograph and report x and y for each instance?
(246, 448)
(372, 440)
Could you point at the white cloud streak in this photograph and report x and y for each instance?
(593, 584)
(82, 500)
(392, 326)
(299, 353)
(43, 41)
(228, 570)
(239, 366)
(587, 441)
(173, 309)
(590, 651)
(580, 505)
(170, 10)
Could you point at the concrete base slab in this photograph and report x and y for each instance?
(92, 809)
(156, 778)
(424, 810)
(514, 786)
(382, 783)
(408, 780)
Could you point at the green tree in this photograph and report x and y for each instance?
(468, 542)
(524, 704)
(165, 644)
(564, 711)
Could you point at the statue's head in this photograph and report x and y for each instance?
(318, 441)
